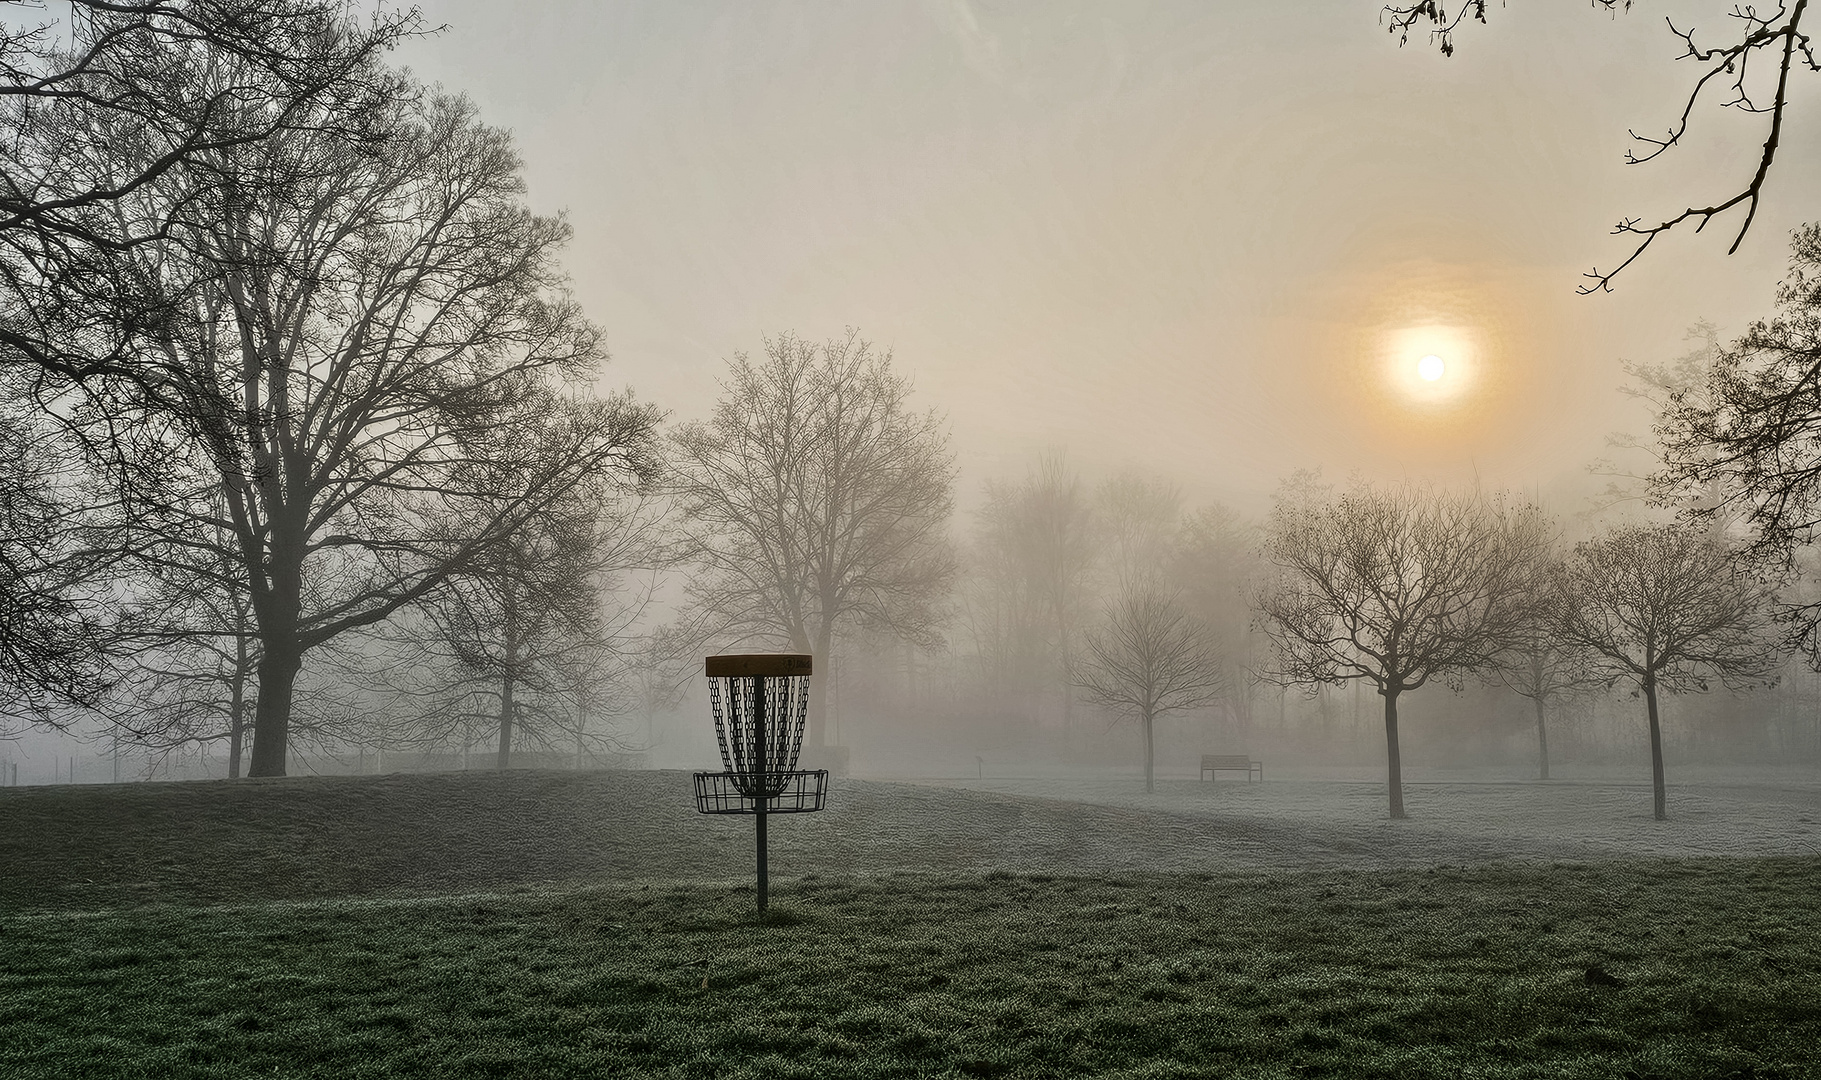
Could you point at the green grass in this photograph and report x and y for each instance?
(1687, 968)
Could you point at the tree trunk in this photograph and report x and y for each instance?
(237, 704)
(504, 761)
(1656, 750)
(508, 672)
(1147, 752)
(1393, 762)
(1542, 741)
(824, 669)
(277, 617)
(278, 667)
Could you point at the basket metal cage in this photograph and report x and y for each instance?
(799, 792)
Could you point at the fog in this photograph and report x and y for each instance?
(1171, 244)
(1166, 236)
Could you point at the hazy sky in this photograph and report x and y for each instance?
(1210, 240)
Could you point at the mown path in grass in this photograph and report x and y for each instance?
(1665, 969)
(94, 847)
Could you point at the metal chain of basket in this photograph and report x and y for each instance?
(786, 708)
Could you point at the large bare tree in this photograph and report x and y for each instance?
(1149, 657)
(814, 495)
(1667, 607)
(370, 308)
(1396, 587)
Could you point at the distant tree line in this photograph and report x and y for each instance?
(299, 447)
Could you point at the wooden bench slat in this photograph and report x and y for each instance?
(1215, 763)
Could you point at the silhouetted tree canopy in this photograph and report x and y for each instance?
(1149, 657)
(1754, 38)
(1667, 607)
(1536, 661)
(1394, 586)
(124, 95)
(1750, 432)
(367, 309)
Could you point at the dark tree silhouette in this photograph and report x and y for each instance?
(814, 496)
(1666, 607)
(1148, 657)
(119, 101)
(1395, 587)
(1748, 433)
(370, 309)
(1756, 37)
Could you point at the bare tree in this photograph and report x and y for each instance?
(1758, 37)
(371, 309)
(194, 650)
(1148, 658)
(1666, 607)
(1748, 433)
(1142, 516)
(523, 620)
(1215, 563)
(1537, 662)
(1395, 587)
(814, 496)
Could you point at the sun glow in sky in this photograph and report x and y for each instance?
(1432, 366)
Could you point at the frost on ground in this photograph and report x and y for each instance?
(1314, 820)
(308, 838)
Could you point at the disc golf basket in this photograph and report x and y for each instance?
(760, 702)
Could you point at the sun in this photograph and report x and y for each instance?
(1433, 367)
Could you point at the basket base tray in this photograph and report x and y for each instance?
(800, 792)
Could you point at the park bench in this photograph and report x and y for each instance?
(1216, 763)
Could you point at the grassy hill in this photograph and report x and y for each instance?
(90, 847)
(554, 925)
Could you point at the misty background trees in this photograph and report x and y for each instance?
(305, 460)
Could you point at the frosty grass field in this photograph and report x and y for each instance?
(584, 924)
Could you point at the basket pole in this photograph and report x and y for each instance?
(758, 725)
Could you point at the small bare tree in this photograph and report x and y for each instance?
(815, 496)
(1537, 662)
(1666, 607)
(1149, 658)
(1396, 587)
(1217, 565)
(523, 622)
